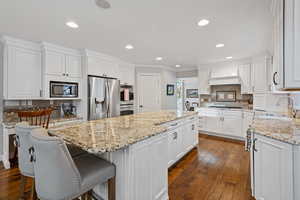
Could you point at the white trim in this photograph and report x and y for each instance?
(155, 66)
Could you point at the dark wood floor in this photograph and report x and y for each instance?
(217, 170)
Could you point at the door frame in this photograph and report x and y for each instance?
(138, 75)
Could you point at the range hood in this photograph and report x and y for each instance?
(226, 80)
(225, 75)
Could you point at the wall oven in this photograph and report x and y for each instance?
(126, 100)
(63, 89)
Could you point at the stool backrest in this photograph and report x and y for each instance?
(36, 117)
(23, 141)
(56, 174)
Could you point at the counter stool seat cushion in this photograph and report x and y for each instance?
(93, 170)
(75, 151)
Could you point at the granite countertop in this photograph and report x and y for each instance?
(111, 134)
(279, 128)
(52, 122)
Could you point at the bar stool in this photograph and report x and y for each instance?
(23, 143)
(58, 176)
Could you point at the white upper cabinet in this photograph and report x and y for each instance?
(61, 62)
(127, 73)
(286, 34)
(245, 75)
(203, 75)
(260, 75)
(22, 69)
(101, 65)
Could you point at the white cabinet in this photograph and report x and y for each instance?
(127, 73)
(203, 75)
(182, 137)
(222, 122)
(245, 75)
(101, 65)
(22, 69)
(286, 34)
(61, 62)
(232, 123)
(273, 169)
(149, 175)
(260, 76)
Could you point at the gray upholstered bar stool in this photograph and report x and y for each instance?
(23, 142)
(58, 176)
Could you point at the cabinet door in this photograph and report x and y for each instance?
(73, 66)
(245, 74)
(292, 43)
(24, 74)
(172, 146)
(188, 137)
(259, 102)
(214, 124)
(102, 67)
(273, 169)
(55, 63)
(203, 74)
(127, 73)
(179, 151)
(260, 76)
(232, 124)
(159, 168)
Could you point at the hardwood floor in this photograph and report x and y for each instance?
(217, 170)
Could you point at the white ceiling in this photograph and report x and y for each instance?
(166, 28)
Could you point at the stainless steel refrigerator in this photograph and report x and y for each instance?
(103, 97)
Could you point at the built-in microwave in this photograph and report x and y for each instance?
(63, 89)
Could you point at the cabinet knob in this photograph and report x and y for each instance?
(63, 74)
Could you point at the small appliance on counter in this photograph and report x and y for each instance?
(68, 110)
(126, 100)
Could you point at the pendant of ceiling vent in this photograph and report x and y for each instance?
(102, 4)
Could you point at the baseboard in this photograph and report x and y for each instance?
(223, 136)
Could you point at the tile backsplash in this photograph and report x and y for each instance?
(244, 100)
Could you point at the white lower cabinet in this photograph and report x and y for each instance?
(181, 139)
(222, 122)
(273, 169)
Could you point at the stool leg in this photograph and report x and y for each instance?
(112, 189)
(22, 187)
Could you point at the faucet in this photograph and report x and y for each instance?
(291, 111)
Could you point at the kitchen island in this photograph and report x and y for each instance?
(275, 157)
(142, 146)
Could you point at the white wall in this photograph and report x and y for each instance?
(167, 77)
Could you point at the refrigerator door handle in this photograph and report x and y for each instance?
(108, 99)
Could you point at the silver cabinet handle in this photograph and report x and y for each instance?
(274, 78)
(175, 136)
(175, 124)
(254, 145)
(193, 126)
(63, 74)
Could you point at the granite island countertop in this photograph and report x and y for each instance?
(279, 128)
(112, 134)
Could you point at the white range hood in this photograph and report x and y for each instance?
(228, 80)
(227, 75)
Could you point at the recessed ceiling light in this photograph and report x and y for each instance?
(72, 25)
(229, 57)
(203, 22)
(158, 58)
(129, 47)
(220, 45)
(177, 65)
